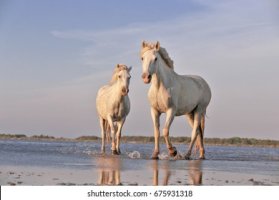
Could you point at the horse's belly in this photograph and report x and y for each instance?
(182, 110)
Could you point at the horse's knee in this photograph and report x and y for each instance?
(166, 132)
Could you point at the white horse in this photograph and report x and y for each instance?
(174, 95)
(113, 106)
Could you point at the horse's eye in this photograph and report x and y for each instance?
(119, 76)
(141, 58)
(156, 59)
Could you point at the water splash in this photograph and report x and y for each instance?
(179, 156)
(134, 155)
(163, 156)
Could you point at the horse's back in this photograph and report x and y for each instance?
(203, 87)
(193, 92)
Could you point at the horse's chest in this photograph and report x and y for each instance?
(119, 111)
(160, 99)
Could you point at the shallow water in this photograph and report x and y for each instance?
(224, 165)
(78, 153)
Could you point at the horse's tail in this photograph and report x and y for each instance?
(107, 131)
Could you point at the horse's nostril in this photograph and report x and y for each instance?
(124, 90)
(145, 75)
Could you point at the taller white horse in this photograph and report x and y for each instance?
(113, 106)
(174, 95)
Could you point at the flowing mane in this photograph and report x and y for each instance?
(162, 51)
(117, 69)
(164, 54)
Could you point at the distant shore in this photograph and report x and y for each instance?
(233, 141)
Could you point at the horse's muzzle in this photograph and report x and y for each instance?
(125, 91)
(146, 78)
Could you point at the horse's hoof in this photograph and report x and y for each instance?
(201, 158)
(187, 157)
(155, 156)
(172, 151)
(118, 151)
(114, 152)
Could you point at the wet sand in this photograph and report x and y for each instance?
(112, 170)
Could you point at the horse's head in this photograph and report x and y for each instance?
(122, 75)
(149, 56)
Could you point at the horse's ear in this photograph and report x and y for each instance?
(118, 65)
(129, 68)
(157, 45)
(143, 44)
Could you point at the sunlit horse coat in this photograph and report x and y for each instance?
(113, 106)
(174, 95)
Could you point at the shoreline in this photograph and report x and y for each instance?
(146, 140)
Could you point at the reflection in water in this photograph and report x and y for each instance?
(109, 170)
(195, 173)
(164, 167)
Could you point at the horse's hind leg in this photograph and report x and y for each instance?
(200, 137)
(102, 125)
(199, 142)
(169, 120)
(195, 131)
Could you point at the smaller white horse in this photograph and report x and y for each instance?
(113, 106)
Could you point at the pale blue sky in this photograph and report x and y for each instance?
(54, 55)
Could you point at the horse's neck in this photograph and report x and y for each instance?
(163, 75)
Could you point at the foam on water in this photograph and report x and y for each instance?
(163, 156)
(91, 152)
(179, 156)
(134, 155)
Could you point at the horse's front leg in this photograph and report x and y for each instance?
(118, 134)
(102, 125)
(112, 128)
(156, 124)
(169, 119)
